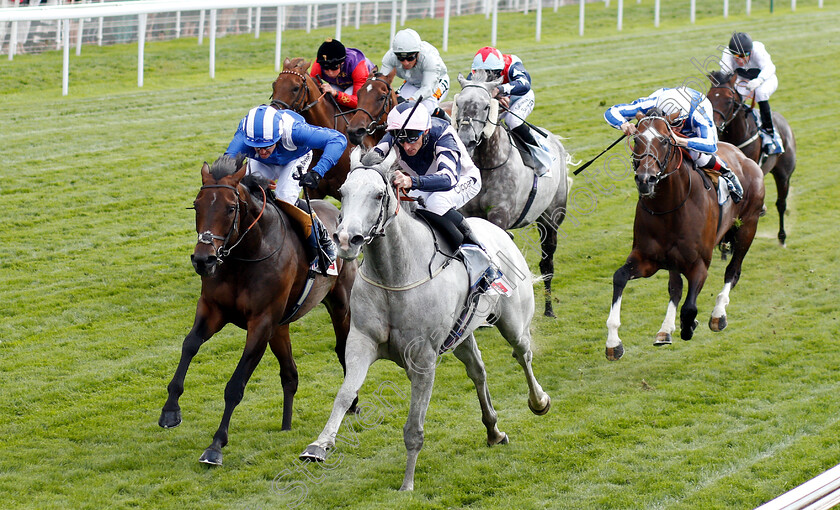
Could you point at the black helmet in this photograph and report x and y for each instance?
(740, 44)
(331, 52)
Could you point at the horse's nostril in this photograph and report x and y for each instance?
(356, 240)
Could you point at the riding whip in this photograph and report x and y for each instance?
(581, 169)
(535, 128)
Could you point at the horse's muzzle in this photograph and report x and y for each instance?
(204, 264)
(348, 246)
(646, 184)
(356, 135)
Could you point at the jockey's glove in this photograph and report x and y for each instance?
(311, 179)
(754, 84)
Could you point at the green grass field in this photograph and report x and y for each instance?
(97, 293)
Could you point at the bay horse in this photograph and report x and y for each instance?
(678, 223)
(370, 121)
(295, 90)
(511, 195)
(736, 125)
(254, 274)
(405, 304)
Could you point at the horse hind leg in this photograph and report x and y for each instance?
(281, 346)
(467, 351)
(675, 286)
(782, 188)
(688, 313)
(548, 245)
(742, 240)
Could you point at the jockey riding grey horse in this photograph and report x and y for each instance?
(512, 196)
(405, 305)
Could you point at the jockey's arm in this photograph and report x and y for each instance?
(620, 114)
(389, 63)
(330, 141)
(704, 136)
(762, 60)
(360, 76)
(445, 176)
(237, 145)
(519, 81)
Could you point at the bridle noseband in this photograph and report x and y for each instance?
(376, 122)
(378, 228)
(737, 100)
(207, 237)
(662, 173)
(469, 122)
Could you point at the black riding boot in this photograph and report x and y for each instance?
(735, 188)
(523, 132)
(319, 245)
(767, 126)
(539, 153)
(472, 248)
(441, 114)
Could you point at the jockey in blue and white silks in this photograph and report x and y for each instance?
(436, 167)
(517, 96)
(279, 142)
(419, 64)
(691, 116)
(749, 60)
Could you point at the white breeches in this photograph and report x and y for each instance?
(519, 110)
(408, 90)
(439, 202)
(282, 177)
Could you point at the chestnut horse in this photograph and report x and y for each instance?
(678, 223)
(736, 125)
(295, 90)
(254, 274)
(376, 99)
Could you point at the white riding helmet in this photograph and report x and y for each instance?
(406, 41)
(488, 58)
(420, 120)
(677, 101)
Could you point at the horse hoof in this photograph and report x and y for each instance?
(687, 333)
(615, 353)
(314, 453)
(540, 412)
(763, 211)
(717, 323)
(503, 440)
(170, 419)
(662, 338)
(211, 456)
(550, 313)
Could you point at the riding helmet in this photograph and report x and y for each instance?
(740, 44)
(332, 52)
(406, 41)
(488, 58)
(262, 126)
(675, 101)
(398, 118)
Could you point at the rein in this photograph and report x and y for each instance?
(207, 237)
(375, 126)
(662, 174)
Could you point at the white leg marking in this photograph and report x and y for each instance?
(613, 323)
(722, 301)
(668, 325)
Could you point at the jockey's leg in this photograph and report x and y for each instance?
(715, 162)
(471, 247)
(319, 246)
(515, 119)
(775, 147)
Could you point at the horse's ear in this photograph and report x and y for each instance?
(304, 64)
(356, 157)
(374, 71)
(640, 115)
(672, 118)
(390, 76)
(286, 63)
(240, 173)
(463, 81)
(206, 178)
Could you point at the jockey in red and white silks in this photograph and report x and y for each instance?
(419, 64)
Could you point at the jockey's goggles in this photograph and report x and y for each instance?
(406, 57)
(332, 65)
(407, 135)
(744, 56)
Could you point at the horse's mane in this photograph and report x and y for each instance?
(253, 183)
(719, 78)
(481, 76)
(226, 165)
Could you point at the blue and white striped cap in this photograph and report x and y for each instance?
(262, 126)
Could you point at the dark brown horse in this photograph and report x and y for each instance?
(295, 90)
(254, 274)
(736, 125)
(678, 223)
(370, 121)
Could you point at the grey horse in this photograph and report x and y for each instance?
(511, 196)
(406, 301)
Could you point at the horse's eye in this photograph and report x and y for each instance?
(382, 99)
(379, 195)
(231, 209)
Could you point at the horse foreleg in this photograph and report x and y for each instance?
(696, 277)
(208, 321)
(338, 306)
(518, 336)
(675, 286)
(635, 267)
(422, 382)
(361, 353)
(743, 239)
(548, 243)
(281, 346)
(254, 349)
(467, 351)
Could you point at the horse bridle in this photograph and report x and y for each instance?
(302, 96)
(207, 237)
(737, 101)
(378, 228)
(375, 126)
(663, 165)
(468, 122)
